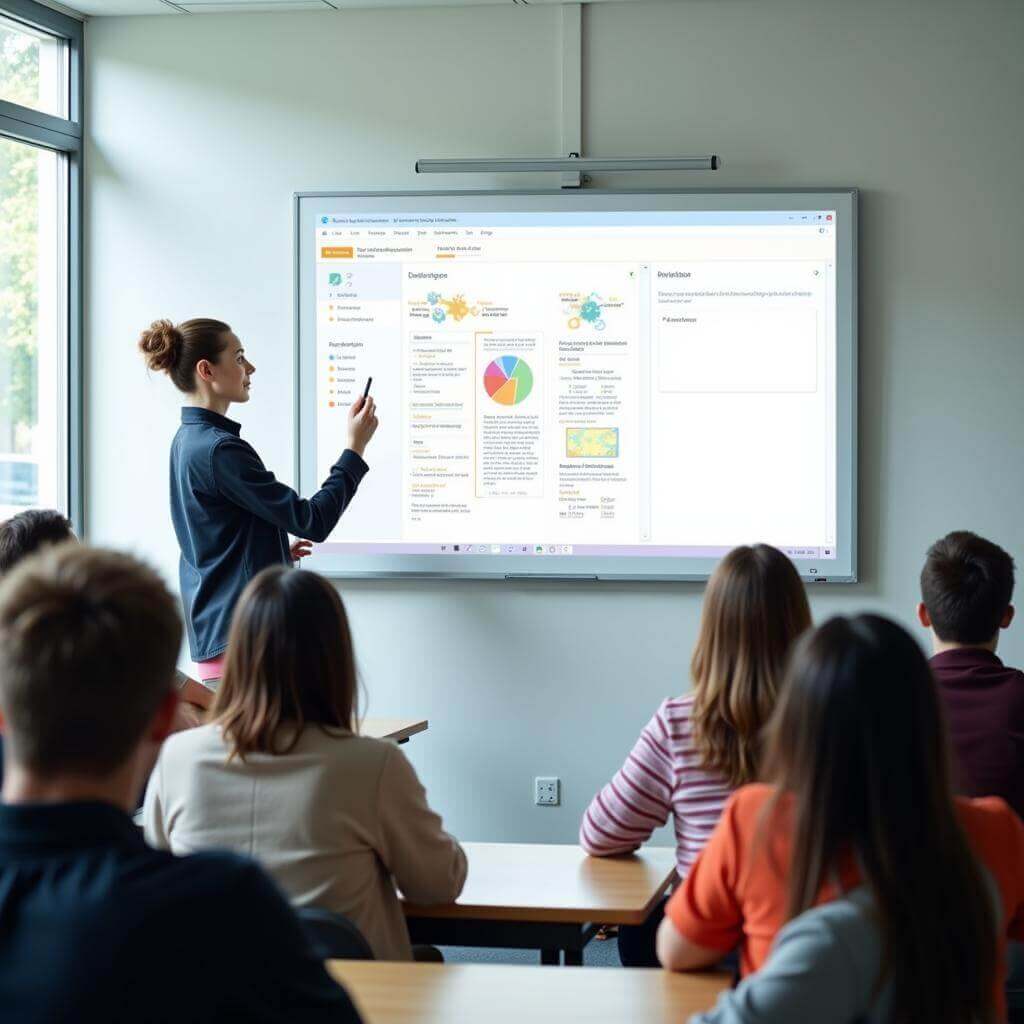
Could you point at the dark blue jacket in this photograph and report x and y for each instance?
(232, 518)
(96, 926)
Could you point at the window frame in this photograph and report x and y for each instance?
(64, 136)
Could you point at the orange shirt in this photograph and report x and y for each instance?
(736, 892)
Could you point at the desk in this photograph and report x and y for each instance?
(551, 898)
(400, 993)
(399, 729)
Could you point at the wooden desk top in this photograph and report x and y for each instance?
(547, 883)
(392, 728)
(404, 993)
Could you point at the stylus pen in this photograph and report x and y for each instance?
(366, 392)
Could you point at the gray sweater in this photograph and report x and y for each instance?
(823, 968)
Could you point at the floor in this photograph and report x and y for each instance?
(596, 954)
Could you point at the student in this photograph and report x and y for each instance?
(337, 819)
(96, 925)
(27, 532)
(857, 755)
(699, 747)
(231, 515)
(824, 967)
(966, 589)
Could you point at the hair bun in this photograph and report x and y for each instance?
(161, 344)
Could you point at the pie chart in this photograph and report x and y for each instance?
(508, 380)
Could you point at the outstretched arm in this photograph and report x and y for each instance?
(242, 477)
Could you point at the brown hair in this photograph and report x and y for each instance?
(290, 663)
(754, 608)
(88, 643)
(177, 350)
(28, 531)
(858, 751)
(966, 585)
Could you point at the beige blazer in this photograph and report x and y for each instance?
(338, 822)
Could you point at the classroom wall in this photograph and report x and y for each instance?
(200, 128)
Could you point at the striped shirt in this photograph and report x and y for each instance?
(661, 776)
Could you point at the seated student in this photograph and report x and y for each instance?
(94, 925)
(699, 747)
(336, 818)
(966, 589)
(824, 967)
(27, 532)
(20, 536)
(857, 754)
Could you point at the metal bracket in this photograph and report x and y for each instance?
(572, 89)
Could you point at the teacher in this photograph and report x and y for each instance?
(232, 517)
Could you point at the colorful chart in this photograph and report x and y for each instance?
(508, 380)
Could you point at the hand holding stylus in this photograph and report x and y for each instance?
(362, 422)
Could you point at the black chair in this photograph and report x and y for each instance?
(333, 936)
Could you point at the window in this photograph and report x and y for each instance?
(33, 68)
(33, 290)
(40, 259)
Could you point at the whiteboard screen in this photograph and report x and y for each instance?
(614, 385)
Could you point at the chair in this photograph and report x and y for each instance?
(333, 936)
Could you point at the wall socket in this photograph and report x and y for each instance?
(546, 791)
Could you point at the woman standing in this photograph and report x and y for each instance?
(232, 517)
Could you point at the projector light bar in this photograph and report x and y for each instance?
(571, 165)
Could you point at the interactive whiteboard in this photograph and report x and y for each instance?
(573, 384)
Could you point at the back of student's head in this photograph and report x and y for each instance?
(290, 663)
(177, 350)
(754, 608)
(28, 531)
(859, 743)
(966, 585)
(88, 644)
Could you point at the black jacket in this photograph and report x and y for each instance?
(96, 926)
(232, 518)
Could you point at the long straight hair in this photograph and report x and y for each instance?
(290, 663)
(857, 749)
(754, 608)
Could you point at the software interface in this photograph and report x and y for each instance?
(628, 383)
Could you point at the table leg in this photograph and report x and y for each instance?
(573, 957)
(549, 957)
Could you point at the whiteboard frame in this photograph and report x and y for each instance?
(842, 569)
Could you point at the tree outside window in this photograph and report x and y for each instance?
(30, 286)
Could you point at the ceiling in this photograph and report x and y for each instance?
(106, 8)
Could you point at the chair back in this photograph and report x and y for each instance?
(333, 936)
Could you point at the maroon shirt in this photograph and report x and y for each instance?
(985, 709)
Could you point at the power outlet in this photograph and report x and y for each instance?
(546, 792)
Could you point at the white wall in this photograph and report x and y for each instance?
(200, 128)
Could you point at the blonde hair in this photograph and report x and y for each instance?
(754, 608)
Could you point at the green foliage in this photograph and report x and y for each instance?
(19, 242)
